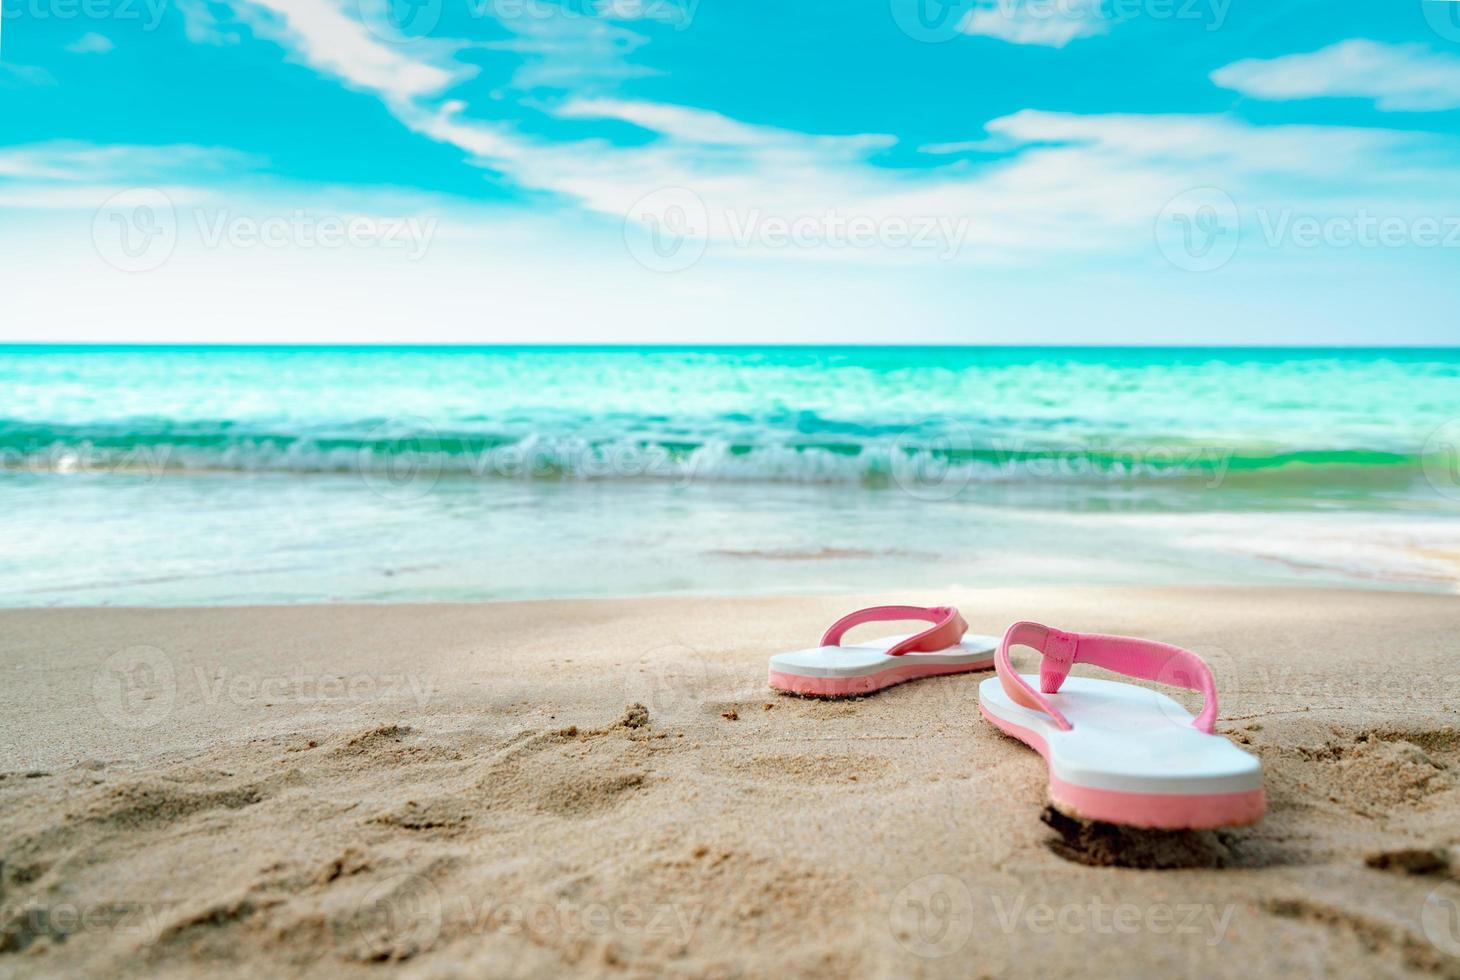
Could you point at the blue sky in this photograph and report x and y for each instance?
(684, 171)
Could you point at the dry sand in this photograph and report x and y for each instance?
(463, 790)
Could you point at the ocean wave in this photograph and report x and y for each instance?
(929, 457)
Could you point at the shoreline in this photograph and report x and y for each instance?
(204, 542)
(310, 790)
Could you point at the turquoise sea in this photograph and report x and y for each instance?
(219, 475)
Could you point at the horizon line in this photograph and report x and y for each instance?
(630, 346)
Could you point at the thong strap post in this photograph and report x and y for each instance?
(947, 629)
(1127, 655)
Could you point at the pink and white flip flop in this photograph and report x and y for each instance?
(1119, 752)
(835, 671)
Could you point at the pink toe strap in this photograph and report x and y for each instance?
(1123, 654)
(947, 629)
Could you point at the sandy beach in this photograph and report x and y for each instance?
(607, 788)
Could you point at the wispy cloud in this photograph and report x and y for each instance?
(569, 51)
(701, 126)
(1072, 182)
(329, 37)
(1062, 182)
(543, 103)
(676, 12)
(90, 43)
(1040, 22)
(72, 161)
(16, 76)
(208, 22)
(68, 174)
(1397, 77)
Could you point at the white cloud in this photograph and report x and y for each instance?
(562, 49)
(1049, 23)
(327, 36)
(67, 175)
(331, 39)
(708, 128)
(1063, 182)
(1060, 184)
(13, 75)
(961, 146)
(1071, 183)
(90, 43)
(67, 161)
(1398, 77)
(677, 12)
(202, 25)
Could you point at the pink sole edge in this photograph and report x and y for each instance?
(846, 687)
(1163, 811)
